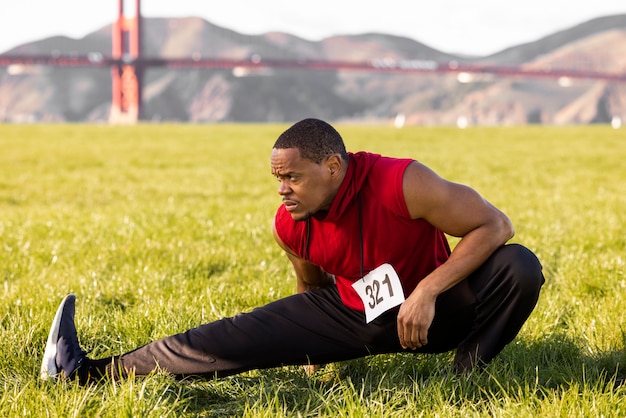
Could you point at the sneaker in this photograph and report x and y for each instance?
(63, 353)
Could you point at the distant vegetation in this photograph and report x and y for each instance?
(158, 228)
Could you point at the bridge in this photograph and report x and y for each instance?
(128, 64)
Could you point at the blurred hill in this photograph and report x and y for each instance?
(219, 95)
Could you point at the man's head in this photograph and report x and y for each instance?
(309, 160)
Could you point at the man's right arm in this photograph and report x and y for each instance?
(308, 276)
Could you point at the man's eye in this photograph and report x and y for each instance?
(280, 178)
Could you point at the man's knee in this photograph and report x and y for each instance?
(525, 268)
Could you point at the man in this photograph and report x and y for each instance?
(365, 235)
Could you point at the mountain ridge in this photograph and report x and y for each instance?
(83, 94)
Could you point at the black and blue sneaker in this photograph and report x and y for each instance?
(63, 355)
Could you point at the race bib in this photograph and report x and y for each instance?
(380, 290)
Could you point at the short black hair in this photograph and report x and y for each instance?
(314, 138)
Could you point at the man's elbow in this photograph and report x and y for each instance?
(506, 229)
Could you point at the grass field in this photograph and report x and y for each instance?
(159, 228)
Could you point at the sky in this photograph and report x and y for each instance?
(475, 27)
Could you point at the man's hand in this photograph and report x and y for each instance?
(414, 319)
(310, 369)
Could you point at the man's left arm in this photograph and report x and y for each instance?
(458, 211)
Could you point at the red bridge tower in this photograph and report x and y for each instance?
(127, 74)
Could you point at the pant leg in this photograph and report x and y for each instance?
(507, 287)
(479, 316)
(311, 327)
(314, 327)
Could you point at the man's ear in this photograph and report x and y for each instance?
(333, 163)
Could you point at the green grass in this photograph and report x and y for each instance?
(158, 228)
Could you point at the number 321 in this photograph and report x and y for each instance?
(373, 291)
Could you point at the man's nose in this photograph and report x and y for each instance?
(283, 188)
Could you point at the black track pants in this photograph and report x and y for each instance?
(478, 317)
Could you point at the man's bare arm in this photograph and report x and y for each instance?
(308, 276)
(458, 211)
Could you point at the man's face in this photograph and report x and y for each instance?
(305, 187)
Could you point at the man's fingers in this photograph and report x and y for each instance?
(409, 338)
(404, 335)
(404, 341)
(411, 335)
(413, 338)
(423, 339)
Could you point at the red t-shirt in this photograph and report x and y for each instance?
(412, 246)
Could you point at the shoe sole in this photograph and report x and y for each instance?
(49, 368)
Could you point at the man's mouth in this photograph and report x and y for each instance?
(290, 205)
